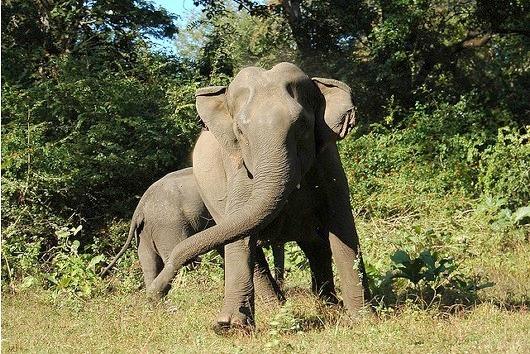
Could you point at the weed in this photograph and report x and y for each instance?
(73, 273)
(426, 279)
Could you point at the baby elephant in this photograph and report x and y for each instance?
(170, 211)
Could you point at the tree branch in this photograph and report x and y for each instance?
(520, 31)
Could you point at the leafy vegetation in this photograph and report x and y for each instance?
(438, 164)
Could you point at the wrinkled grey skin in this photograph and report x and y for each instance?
(170, 211)
(269, 169)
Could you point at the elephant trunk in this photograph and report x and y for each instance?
(273, 182)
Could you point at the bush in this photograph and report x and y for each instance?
(505, 168)
(429, 278)
(79, 147)
(72, 273)
(437, 150)
(434, 151)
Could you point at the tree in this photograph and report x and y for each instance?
(90, 116)
(394, 52)
(33, 32)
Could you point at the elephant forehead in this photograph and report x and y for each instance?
(281, 92)
(289, 68)
(281, 75)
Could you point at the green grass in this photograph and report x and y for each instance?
(125, 323)
(121, 320)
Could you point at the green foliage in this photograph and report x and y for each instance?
(74, 138)
(73, 273)
(295, 259)
(427, 266)
(90, 118)
(34, 33)
(499, 215)
(19, 257)
(85, 144)
(285, 320)
(429, 278)
(505, 168)
(434, 151)
(221, 45)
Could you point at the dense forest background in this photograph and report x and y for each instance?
(92, 115)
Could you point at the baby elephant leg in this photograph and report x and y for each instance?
(150, 261)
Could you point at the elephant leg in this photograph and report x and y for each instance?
(266, 287)
(167, 238)
(238, 306)
(278, 253)
(318, 252)
(150, 262)
(350, 267)
(338, 220)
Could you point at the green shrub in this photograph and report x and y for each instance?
(429, 278)
(73, 273)
(505, 168)
(79, 147)
(435, 151)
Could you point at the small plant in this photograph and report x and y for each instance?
(500, 216)
(427, 267)
(73, 273)
(18, 261)
(285, 321)
(295, 258)
(429, 278)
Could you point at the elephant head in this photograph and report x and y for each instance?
(279, 108)
(272, 123)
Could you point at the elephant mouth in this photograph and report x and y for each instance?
(347, 125)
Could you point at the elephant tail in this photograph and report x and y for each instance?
(132, 232)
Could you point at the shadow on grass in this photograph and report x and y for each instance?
(426, 281)
(514, 305)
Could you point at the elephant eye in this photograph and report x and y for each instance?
(291, 90)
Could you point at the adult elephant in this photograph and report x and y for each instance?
(268, 169)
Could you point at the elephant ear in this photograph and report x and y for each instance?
(213, 110)
(337, 117)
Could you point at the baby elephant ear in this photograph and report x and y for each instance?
(213, 110)
(338, 111)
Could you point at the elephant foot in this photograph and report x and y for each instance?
(155, 293)
(238, 320)
(356, 316)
